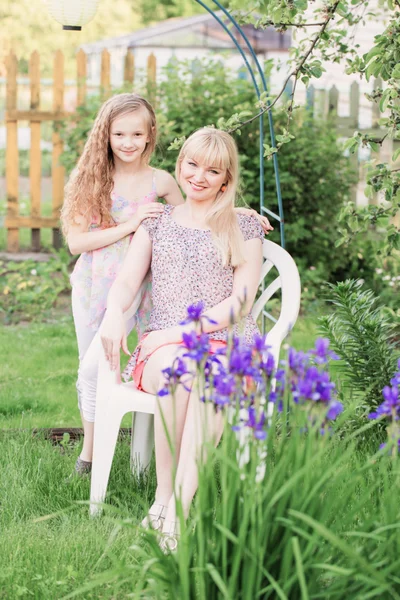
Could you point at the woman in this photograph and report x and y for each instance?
(199, 251)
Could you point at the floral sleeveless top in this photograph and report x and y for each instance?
(95, 271)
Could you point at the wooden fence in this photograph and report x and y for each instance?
(321, 102)
(35, 117)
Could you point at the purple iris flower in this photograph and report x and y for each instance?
(391, 405)
(224, 389)
(260, 343)
(241, 361)
(298, 361)
(195, 314)
(322, 353)
(197, 346)
(257, 425)
(267, 364)
(173, 376)
(335, 408)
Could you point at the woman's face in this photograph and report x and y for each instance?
(129, 136)
(199, 181)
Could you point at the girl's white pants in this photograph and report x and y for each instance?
(89, 348)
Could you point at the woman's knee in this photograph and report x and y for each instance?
(153, 376)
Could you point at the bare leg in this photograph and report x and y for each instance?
(202, 426)
(170, 414)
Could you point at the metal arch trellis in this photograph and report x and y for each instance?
(263, 209)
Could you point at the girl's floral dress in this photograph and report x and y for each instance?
(95, 271)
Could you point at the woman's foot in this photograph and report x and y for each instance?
(170, 537)
(155, 517)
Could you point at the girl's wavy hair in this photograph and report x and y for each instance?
(217, 148)
(88, 191)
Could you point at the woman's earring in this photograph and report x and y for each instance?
(223, 187)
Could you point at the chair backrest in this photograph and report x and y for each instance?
(288, 281)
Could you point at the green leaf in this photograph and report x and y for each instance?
(374, 146)
(219, 582)
(385, 100)
(299, 568)
(396, 72)
(396, 155)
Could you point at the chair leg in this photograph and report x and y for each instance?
(142, 441)
(106, 431)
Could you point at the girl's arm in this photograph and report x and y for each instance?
(168, 189)
(245, 283)
(80, 240)
(122, 294)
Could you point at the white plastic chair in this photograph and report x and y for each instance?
(115, 399)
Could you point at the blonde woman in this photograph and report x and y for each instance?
(203, 251)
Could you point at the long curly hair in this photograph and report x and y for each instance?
(215, 147)
(88, 191)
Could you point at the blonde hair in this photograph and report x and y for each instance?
(217, 148)
(88, 191)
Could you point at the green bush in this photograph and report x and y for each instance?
(364, 337)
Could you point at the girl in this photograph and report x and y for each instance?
(109, 194)
(199, 251)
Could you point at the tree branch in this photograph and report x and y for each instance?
(295, 71)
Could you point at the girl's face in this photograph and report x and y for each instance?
(201, 182)
(129, 136)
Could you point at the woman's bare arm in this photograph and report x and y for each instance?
(122, 294)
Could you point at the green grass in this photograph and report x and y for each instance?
(38, 372)
(50, 546)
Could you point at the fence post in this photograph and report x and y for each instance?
(105, 74)
(35, 167)
(58, 171)
(81, 72)
(12, 168)
(129, 68)
(151, 78)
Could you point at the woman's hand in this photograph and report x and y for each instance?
(144, 211)
(265, 224)
(154, 340)
(113, 337)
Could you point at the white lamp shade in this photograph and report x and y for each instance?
(72, 14)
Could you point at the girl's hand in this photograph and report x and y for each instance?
(113, 337)
(152, 209)
(265, 224)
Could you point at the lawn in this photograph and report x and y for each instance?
(38, 371)
(50, 547)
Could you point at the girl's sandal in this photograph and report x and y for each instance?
(155, 517)
(169, 539)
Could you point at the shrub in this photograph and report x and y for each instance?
(363, 336)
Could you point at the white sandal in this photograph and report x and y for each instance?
(155, 517)
(169, 539)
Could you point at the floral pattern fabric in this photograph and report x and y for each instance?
(95, 271)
